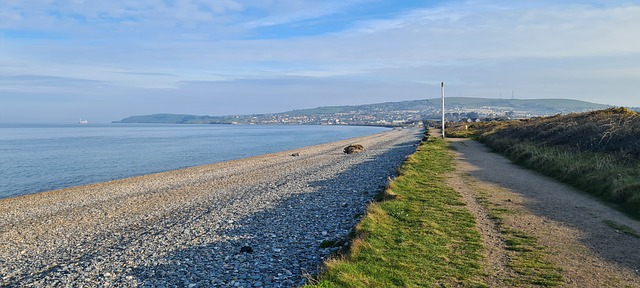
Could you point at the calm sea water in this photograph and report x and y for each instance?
(36, 158)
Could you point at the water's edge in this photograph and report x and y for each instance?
(51, 159)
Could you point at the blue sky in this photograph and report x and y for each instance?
(106, 60)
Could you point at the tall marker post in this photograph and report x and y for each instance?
(442, 110)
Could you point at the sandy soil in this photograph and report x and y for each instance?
(568, 223)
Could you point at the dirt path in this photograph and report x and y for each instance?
(570, 226)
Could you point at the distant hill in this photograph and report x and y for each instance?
(161, 118)
(559, 105)
(385, 113)
(551, 104)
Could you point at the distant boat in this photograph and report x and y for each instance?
(83, 121)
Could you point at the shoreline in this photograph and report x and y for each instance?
(57, 160)
(128, 232)
(179, 170)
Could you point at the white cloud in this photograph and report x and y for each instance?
(442, 34)
(459, 32)
(536, 48)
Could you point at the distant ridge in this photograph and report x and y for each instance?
(559, 105)
(162, 118)
(385, 113)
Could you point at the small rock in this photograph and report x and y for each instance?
(295, 154)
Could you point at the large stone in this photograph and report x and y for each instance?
(353, 148)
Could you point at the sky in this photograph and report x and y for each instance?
(62, 60)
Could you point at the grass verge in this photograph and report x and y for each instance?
(526, 257)
(622, 228)
(596, 173)
(597, 152)
(422, 235)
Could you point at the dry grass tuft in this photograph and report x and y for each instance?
(598, 151)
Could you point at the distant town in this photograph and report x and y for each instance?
(457, 109)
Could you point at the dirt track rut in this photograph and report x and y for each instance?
(569, 224)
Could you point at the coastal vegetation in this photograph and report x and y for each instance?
(420, 234)
(597, 152)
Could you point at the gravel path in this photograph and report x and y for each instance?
(185, 228)
(570, 225)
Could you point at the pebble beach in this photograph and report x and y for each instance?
(255, 222)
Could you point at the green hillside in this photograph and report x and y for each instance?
(161, 118)
(463, 102)
(533, 107)
(518, 103)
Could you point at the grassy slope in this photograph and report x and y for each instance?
(424, 236)
(598, 152)
(421, 235)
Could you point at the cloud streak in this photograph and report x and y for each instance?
(542, 49)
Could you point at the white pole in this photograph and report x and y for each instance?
(442, 110)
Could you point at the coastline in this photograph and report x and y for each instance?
(141, 231)
(50, 157)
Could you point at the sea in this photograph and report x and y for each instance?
(42, 157)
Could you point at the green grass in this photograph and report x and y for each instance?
(422, 237)
(622, 228)
(597, 152)
(597, 173)
(461, 131)
(527, 259)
